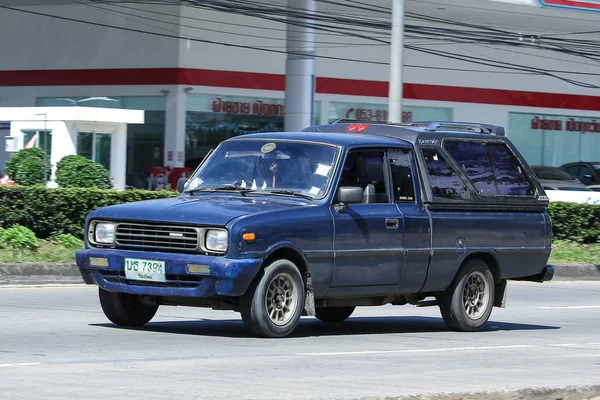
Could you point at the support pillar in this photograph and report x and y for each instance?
(176, 105)
(300, 65)
(396, 62)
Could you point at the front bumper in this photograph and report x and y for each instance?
(227, 277)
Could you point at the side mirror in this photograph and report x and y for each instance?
(181, 184)
(350, 195)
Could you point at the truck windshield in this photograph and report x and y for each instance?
(273, 166)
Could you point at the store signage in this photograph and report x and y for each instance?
(256, 108)
(170, 156)
(374, 114)
(571, 125)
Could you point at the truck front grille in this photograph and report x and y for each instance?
(163, 237)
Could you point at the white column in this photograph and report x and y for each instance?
(176, 106)
(118, 156)
(300, 67)
(396, 62)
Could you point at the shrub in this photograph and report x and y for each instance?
(77, 171)
(575, 222)
(68, 241)
(18, 237)
(49, 212)
(26, 167)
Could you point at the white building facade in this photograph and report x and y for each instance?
(201, 75)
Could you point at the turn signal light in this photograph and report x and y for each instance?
(249, 236)
(98, 262)
(198, 269)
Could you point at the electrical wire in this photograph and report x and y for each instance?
(479, 61)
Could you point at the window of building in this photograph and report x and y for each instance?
(402, 177)
(442, 178)
(39, 138)
(365, 168)
(210, 119)
(95, 146)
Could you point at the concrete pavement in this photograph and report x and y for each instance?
(55, 343)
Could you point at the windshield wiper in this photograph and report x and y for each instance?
(292, 193)
(242, 190)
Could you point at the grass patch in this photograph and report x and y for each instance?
(566, 252)
(49, 251)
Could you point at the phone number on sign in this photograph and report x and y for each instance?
(377, 115)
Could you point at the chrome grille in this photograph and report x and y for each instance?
(146, 236)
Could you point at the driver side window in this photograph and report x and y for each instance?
(365, 169)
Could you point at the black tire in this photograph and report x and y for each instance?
(454, 307)
(125, 309)
(257, 302)
(334, 314)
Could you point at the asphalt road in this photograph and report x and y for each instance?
(55, 343)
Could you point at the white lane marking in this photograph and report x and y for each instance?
(567, 307)
(346, 353)
(18, 365)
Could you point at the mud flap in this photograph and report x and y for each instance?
(309, 302)
(500, 294)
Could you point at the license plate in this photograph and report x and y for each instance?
(145, 270)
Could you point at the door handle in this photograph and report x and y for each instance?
(391, 223)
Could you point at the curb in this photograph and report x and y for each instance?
(39, 274)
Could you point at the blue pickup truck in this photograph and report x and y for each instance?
(277, 226)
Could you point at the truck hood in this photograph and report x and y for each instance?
(205, 209)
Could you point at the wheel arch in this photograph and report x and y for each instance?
(291, 252)
(490, 260)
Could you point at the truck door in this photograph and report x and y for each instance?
(417, 225)
(368, 237)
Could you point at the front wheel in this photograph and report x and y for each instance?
(467, 304)
(273, 305)
(125, 309)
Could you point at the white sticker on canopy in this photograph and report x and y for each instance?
(323, 169)
(314, 190)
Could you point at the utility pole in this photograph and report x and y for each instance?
(46, 137)
(396, 62)
(300, 65)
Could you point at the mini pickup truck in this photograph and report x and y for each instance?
(277, 226)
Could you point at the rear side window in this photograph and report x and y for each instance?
(491, 167)
(471, 157)
(510, 175)
(442, 178)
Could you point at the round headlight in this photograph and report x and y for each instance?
(104, 232)
(216, 240)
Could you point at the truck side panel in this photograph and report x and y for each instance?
(517, 242)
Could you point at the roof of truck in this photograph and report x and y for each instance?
(347, 133)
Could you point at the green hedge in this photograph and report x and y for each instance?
(50, 212)
(575, 222)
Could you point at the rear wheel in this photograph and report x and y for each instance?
(125, 309)
(273, 305)
(467, 304)
(334, 314)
